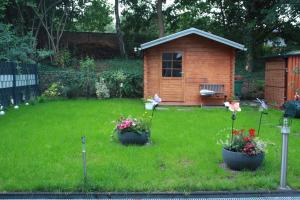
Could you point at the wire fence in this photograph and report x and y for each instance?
(18, 83)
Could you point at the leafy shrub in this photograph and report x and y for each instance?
(63, 58)
(54, 90)
(102, 91)
(19, 48)
(253, 89)
(120, 80)
(88, 77)
(124, 83)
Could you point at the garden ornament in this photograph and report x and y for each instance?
(16, 107)
(2, 111)
(263, 109)
(26, 104)
(156, 100)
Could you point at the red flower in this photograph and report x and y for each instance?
(252, 132)
(249, 149)
(247, 139)
(235, 132)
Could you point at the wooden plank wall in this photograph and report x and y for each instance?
(204, 61)
(275, 81)
(293, 76)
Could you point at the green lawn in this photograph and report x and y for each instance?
(40, 149)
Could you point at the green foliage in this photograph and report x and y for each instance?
(19, 48)
(70, 79)
(62, 58)
(139, 23)
(3, 5)
(88, 76)
(96, 16)
(55, 90)
(128, 72)
(15, 48)
(124, 82)
(102, 91)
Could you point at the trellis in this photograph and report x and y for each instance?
(18, 83)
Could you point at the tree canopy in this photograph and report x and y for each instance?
(251, 22)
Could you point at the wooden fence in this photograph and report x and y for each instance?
(18, 83)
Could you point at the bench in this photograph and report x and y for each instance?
(217, 88)
(214, 96)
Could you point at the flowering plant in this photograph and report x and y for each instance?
(245, 142)
(129, 124)
(239, 140)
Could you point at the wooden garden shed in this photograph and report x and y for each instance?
(282, 79)
(178, 66)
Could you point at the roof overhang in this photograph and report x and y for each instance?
(284, 55)
(189, 32)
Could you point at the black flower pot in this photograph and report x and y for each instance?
(127, 138)
(241, 161)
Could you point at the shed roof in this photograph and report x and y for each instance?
(192, 31)
(285, 55)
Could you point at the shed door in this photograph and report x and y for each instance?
(172, 79)
(275, 82)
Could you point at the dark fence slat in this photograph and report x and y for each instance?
(18, 83)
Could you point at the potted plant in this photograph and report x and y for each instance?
(242, 150)
(133, 130)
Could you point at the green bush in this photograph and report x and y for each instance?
(88, 76)
(102, 91)
(63, 58)
(55, 90)
(124, 83)
(121, 79)
(19, 48)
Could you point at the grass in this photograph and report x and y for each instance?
(40, 149)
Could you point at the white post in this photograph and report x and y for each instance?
(285, 130)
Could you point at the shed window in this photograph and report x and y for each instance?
(172, 65)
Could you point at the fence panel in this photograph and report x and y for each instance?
(18, 83)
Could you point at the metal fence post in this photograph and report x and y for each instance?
(84, 157)
(285, 130)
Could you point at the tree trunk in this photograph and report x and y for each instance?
(250, 44)
(160, 18)
(118, 29)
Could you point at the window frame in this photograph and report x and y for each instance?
(172, 65)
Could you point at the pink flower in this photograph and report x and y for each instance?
(234, 106)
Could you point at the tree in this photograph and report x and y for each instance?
(160, 18)
(95, 17)
(250, 22)
(18, 48)
(139, 22)
(118, 29)
(53, 16)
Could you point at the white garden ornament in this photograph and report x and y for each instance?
(2, 111)
(151, 103)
